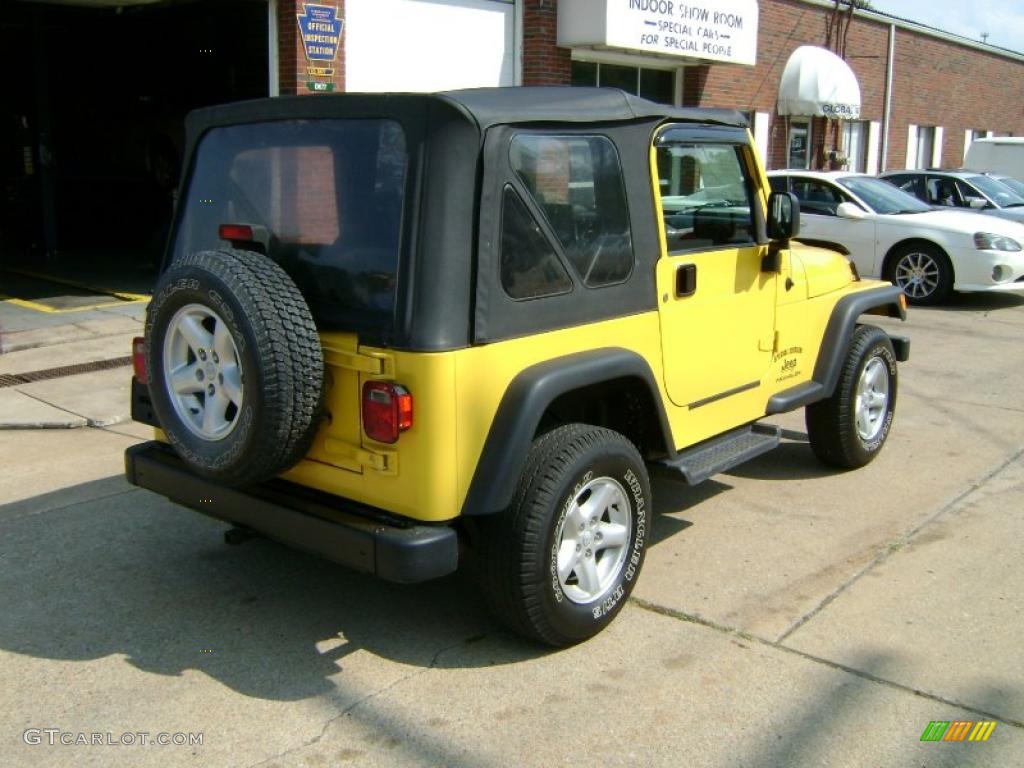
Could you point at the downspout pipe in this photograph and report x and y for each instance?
(887, 117)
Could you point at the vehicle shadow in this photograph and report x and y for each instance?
(976, 302)
(104, 569)
(793, 459)
(90, 571)
(671, 497)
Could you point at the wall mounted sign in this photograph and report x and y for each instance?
(320, 29)
(715, 30)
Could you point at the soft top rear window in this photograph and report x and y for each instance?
(329, 195)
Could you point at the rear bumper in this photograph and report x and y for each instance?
(333, 528)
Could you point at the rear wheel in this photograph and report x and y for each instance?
(849, 429)
(922, 271)
(558, 565)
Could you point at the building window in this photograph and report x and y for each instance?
(925, 146)
(855, 133)
(655, 84)
(799, 154)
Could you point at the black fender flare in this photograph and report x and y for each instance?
(885, 301)
(525, 400)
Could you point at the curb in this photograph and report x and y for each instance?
(73, 421)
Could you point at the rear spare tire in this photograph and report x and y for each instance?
(235, 365)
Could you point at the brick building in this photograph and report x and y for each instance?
(944, 89)
(96, 90)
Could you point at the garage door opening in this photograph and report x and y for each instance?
(92, 124)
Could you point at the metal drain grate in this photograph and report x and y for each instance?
(14, 379)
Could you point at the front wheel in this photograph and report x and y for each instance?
(923, 272)
(560, 562)
(849, 429)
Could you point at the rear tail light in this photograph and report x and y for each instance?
(139, 359)
(236, 233)
(387, 411)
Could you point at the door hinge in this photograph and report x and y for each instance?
(384, 462)
(357, 361)
(769, 344)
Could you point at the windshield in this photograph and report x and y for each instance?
(881, 196)
(1014, 184)
(327, 196)
(996, 191)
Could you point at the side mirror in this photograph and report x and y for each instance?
(783, 216)
(850, 211)
(977, 203)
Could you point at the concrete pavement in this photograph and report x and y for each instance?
(97, 398)
(787, 615)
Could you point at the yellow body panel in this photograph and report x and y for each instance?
(457, 394)
(417, 476)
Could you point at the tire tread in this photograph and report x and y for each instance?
(513, 541)
(286, 343)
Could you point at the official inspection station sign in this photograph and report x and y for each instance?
(320, 29)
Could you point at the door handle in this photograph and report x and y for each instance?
(686, 280)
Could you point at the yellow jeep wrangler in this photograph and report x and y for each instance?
(401, 331)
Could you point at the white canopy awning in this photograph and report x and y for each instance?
(817, 83)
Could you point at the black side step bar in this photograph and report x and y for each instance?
(724, 452)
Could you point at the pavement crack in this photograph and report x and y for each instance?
(955, 401)
(777, 645)
(898, 544)
(47, 402)
(673, 613)
(359, 702)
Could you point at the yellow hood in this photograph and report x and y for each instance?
(826, 270)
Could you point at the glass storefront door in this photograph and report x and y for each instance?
(799, 154)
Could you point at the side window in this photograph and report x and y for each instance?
(705, 196)
(942, 191)
(817, 196)
(909, 184)
(577, 183)
(967, 192)
(779, 184)
(530, 268)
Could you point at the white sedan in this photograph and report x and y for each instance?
(890, 233)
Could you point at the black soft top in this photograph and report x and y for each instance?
(483, 107)
(452, 137)
(568, 104)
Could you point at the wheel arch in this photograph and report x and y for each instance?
(536, 394)
(883, 301)
(910, 241)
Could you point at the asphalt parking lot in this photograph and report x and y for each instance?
(787, 615)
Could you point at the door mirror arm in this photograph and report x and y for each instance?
(772, 261)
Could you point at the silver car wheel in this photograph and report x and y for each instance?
(593, 540)
(872, 399)
(917, 273)
(202, 372)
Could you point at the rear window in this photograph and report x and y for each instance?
(329, 195)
